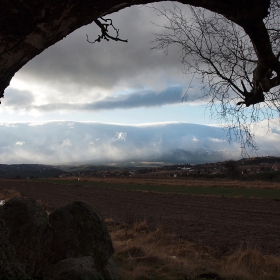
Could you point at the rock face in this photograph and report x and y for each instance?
(10, 268)
(110, 271)
(74, 269)
(79, 230)
(71, 243)
(30, 233)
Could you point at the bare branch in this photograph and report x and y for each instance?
(104, 31)
(232, 64)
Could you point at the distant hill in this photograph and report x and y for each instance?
(24, 171)
(259, 160)
(29, 171)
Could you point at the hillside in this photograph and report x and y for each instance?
(154, 169)
(29, 171)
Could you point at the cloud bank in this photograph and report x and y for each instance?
(146, 98)
(60, 142)
(74, 71)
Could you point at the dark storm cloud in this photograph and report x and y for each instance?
(74, 66)
(172, 95)
(17, 98)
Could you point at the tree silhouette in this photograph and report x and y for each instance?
(232, 170)
(239, 88)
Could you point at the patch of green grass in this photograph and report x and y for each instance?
(197, 190)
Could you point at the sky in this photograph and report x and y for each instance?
(108, 81)
(122, 84)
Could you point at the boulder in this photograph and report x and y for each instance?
(10, 268)
(111, 270)
(29, 232)
(79, 230)
(73, 269)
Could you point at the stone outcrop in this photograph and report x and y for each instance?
(71, 243)
(74, 269)
(30, 233)
(111, 271)
(79, 230)
(82, 268)
(10, 267)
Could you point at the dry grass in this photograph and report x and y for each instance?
(145, 254)
(253, 265)
(7, 194)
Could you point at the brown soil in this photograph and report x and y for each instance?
(149, 180)
(220, 222)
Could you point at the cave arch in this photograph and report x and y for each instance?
(27, 28)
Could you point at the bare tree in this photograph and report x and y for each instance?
(232, 170)
(227, 60)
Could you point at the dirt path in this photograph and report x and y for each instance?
(220, 222)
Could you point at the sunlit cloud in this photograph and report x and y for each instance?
(66, 143)
(93, 142)
(217, 140)
(120, 136)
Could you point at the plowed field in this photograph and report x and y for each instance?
(220, 222)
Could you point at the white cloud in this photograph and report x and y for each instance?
(94, 142)
(120, 136)
(217, 140)
(66, 143)
(37, 123)
(8, 124)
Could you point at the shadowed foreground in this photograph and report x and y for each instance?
(220, 222)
